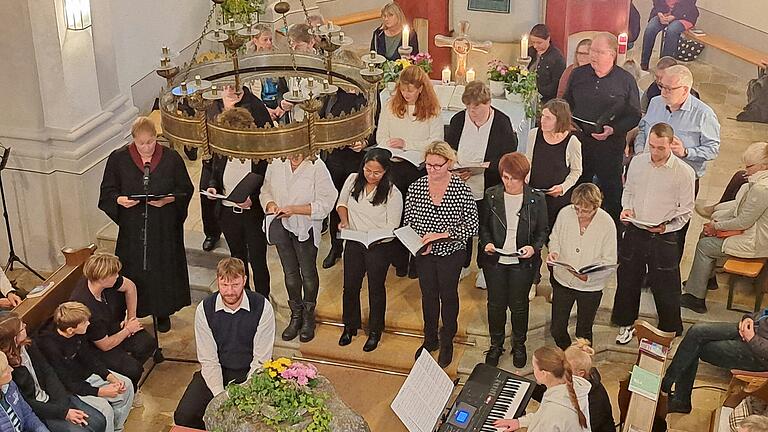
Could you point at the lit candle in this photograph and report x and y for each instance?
(446, 75)
(470, 75)
(524, 46)
(406, 34)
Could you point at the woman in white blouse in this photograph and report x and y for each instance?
(584, 234)
(297, 195)
(368, 203)
(410, 121)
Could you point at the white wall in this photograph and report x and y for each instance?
(753, 13)
(498, 27)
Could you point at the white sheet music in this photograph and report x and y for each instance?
(423, 396)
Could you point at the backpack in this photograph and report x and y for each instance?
(757, 100)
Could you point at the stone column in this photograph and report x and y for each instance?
(64, 113)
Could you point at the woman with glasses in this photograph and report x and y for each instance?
(441, 209)
(388, 38)
(513, 229)
(584, 234)
(368, 202)
(580, 58)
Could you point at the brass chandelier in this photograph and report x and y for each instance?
(183, 103)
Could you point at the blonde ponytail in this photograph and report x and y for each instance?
(568, 375)
(553, 360)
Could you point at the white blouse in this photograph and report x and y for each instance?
(364, 216)
(310, 184)
(596, 245)
(512, 206)
(416, 134)
(473, 144)
(572, 158)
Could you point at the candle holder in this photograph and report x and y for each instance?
(405, 52)
(523, 62)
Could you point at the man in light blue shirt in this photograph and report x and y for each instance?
(697, 130)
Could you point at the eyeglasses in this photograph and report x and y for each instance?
(436, 166)
(600, 52)
(582, 210)
(366, 171)
(662, 87)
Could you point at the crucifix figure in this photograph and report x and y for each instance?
(462, 45)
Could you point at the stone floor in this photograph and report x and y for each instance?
(723, 92)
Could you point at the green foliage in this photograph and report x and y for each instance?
(280, 403)
(241, 10)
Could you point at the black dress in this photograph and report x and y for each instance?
(164, 288)
(548, 169)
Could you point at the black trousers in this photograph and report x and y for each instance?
(508, 287)
(659, 252)
(299, 261)
(403, 174)
(209, 209)
(563, 298)
(340, 163)
(248, 242)
(439, 283)
(359, 261)
(189, 412)
(129, 357)
(604, 160)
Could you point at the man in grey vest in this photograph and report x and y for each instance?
(234, 332)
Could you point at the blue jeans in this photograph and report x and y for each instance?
(115, 409)
(674, 30)
(96, 420)
(716, 343)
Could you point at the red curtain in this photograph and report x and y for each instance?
(436, 11)
(566, 17)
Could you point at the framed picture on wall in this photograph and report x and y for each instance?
(498, 6)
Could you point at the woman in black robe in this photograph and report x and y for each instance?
(163, 287)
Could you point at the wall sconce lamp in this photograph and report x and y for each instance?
(77, 14)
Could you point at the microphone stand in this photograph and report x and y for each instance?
(12, 253)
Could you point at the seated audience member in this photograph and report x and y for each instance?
(737, 228)
(64, 344)
(114, 328)
(653, 89)
(234, 333)
(41, 388)
(262, 41)
(368, 202)
(580, 58)
(579, 355)
(584, 234)
(547, 61)
(674, 17)
(653, 247)
(754, 423)
(727, 345)
(513, 218)
(388, 37)
(268, 89)
(18, 416)
(11, 299)
(480, 133)
(565, 404)
(300, 194)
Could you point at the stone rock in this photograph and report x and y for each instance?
(231, 420)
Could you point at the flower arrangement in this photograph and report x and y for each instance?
(523, 83)
(241, 10)
(282, 393)
(497, 70)
(392, 68)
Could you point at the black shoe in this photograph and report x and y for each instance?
(210, 242)
(412, 273)
(163, 324)
(373, 341)
(446, 354)
(493, 355)
(307, 332)
(333, 255)
(401, 271)
(191, 153)
(678, 406)
(429, 346)
(292, 330)
(689, 301)
(346, 336)
(712, 284)
(644, 67)
(519, 356)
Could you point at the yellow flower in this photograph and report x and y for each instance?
(272, 373)
(524, 72)
(405, 64)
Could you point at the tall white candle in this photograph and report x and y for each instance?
(524, 46)
(406, 35)
(470, 75)
(446, 75)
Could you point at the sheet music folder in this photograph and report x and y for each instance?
(153, 197)
(423, 396)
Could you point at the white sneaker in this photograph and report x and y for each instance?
(480, 280)
(465, 271)
(626, 334)
(532, 292)
(138, 399)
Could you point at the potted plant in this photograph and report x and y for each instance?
(521, 87)
(497, 76)
(392, 68)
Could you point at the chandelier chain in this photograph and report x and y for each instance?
(199, 42)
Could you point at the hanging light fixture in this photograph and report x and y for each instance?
(78, 14)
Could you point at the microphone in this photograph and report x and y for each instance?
(146, 174)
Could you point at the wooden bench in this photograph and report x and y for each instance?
(743, 384)
(357, 17)
(35, 311)
(735, 49)
(746, 268)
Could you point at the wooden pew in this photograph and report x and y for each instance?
(735, 49)
(357, 17)
(35, 311)
(743, 384)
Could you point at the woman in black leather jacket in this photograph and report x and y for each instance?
(513, 229)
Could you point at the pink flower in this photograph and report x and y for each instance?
(300, 372)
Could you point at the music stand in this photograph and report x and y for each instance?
(6, 152)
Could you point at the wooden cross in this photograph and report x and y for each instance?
(462, 45)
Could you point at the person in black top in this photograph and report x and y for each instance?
(547, 61)
(123, 343)
(66, 348)
(388, 38)
(606, 105)
(59, 409)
